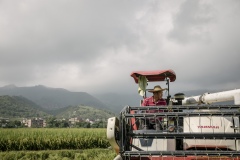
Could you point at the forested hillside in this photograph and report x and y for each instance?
(20, 107)
(17, 106)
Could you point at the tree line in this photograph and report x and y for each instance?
(53, 122)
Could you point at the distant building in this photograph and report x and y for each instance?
(35, 122)
(25, 122)
(89, 121)
(4, 121)
(74, 120)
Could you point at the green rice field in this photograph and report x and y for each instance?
(46, 143)
(87, 154)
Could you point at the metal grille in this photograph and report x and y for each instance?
(180, 132)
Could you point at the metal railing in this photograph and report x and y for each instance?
(177, 123)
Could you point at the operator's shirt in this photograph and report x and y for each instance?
(150, 102)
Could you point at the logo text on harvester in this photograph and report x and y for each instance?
(214, 127)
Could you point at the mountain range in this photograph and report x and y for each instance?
(19, 107)
(52, 98)
(56, 98)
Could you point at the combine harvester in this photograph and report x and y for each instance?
(191, 128)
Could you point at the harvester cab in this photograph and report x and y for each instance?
(142, 78)
(188, 127)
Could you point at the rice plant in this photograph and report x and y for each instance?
(52, 139)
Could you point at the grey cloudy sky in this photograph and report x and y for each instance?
(94, 45)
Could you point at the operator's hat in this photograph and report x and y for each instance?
(157, 88)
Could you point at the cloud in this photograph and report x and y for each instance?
(64, 30)
(93, 46)
(192, 21)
